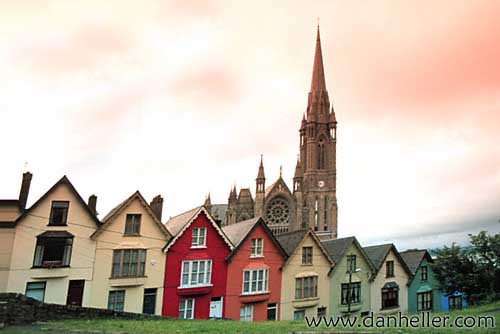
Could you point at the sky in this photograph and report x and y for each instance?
(181, 97)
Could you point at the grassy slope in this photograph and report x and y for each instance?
(223, 327)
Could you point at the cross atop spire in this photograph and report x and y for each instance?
(318, 75)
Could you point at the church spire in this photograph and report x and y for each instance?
(260, 174)
(318, 75)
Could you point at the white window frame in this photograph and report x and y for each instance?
(254, 248)
(254, 280)
(246, 317)
(276, 305)
(199, 237)
(190, 274)
(183, 311)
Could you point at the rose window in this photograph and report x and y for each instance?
(278, 212)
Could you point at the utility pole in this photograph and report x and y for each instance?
(350, 271)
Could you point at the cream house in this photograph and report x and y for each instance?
(129, 262)
(305, 282)
(52, 254)
(388, 288)
(10, 210)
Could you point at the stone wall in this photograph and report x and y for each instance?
(17, 309)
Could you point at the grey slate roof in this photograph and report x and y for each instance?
(218, 211)
(337, 247)
(413, 258)
(377, 253)
(175, 224)
(290, 240)
(237, 232)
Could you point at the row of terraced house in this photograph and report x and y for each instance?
(191, 267)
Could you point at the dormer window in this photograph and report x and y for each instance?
(199, 237)
(257, 247)
(59, 213)
(133, 225)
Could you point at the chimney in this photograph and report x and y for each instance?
(157, 206)
(92, 204)
(25, 189)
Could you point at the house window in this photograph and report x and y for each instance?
(307, 255)
(59, 213)
(36, 290)
(199, 237)
(116, 300)
(321, 311)
(424, 301)
(133, 225)
(455, 302)
(389, 269)
(53, 252)
(299, 314)
(355, 293)
(390, 297)
(306, 287)
(128, 262)
(186, 309)
(246, 313)
(255, 281)
(423, 273)
(257, 247)
(272, 311)
(351, 263)
(196, 273)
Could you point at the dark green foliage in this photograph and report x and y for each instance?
(474, 270)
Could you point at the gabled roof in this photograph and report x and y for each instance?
(413, 258)
(120, 207)
(291, 240)
(64, 180)
(178, 224)
(239, 232)
(337, 248)
(270, 188)
(378, 253)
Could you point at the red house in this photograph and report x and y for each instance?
(195, 269)
(254, 272)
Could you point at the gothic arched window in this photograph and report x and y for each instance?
(316, 215)
(321, 154)
(278, 211)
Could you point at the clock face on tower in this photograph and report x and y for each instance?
(321, 183)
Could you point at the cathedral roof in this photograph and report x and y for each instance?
(318, 75)
(275, 184)
(219, 212)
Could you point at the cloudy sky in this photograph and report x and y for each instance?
(181, 97)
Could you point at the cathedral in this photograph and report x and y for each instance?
(312, 200)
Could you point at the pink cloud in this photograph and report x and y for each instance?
(66, 52)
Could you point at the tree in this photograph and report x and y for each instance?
(473, 270)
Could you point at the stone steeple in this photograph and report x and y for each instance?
(318, 75)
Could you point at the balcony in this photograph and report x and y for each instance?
(254, 298)
(194, 290)
(305, 302)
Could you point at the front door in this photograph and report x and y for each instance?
(75, 292)
(149, 304)
(216, 307)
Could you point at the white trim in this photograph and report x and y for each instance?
(207, 273)
(265, 281)
(190, 221)
(192, 310)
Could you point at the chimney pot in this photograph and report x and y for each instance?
(92, 204)
(157, 206)
(25, 189)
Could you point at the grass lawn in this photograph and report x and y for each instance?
(225, 327)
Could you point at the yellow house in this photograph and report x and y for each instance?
(10, 210)
(52, 254)
(129, 262)
(388, 288)
(305, 282)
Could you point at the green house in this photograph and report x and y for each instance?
(423, 289)
(349, 278)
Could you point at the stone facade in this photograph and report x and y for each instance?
(312, 202)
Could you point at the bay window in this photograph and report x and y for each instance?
(255, 281)
(196, 273)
